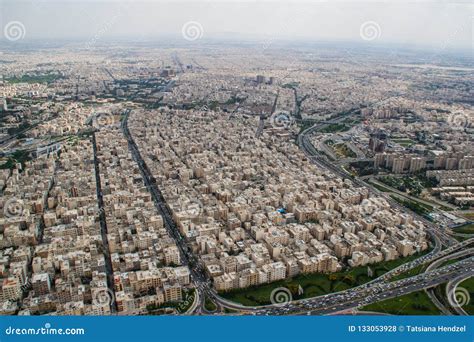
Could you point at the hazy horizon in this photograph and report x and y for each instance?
(443, 25)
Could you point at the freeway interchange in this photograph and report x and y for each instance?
(376, 290)
(316, 158)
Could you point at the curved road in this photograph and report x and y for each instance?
(451, 288)
(315, 157)
(430, 292)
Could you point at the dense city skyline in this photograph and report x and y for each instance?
(200, 175)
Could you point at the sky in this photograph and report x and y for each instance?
(435, 23)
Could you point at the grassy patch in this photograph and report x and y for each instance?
(409, 185)
(45, 78)
(417, 207)
(209, 305)
(188, 300)
(342, 151)
(469, 216)
(465, 229)
(362, 168)
(17, 157)
(416, 303)
(291, 85)
(410, 273)
(468, 284)
(305, 125)
(230, 311)
(453, 261)
(460, 238)
(379, 187)
(403, 141)
(24, 126)
(336, 127)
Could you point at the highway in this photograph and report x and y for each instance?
(433, 202)
(309, 150)
(365, 294)
(439, 236)
(435, 254)
(430, 292)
